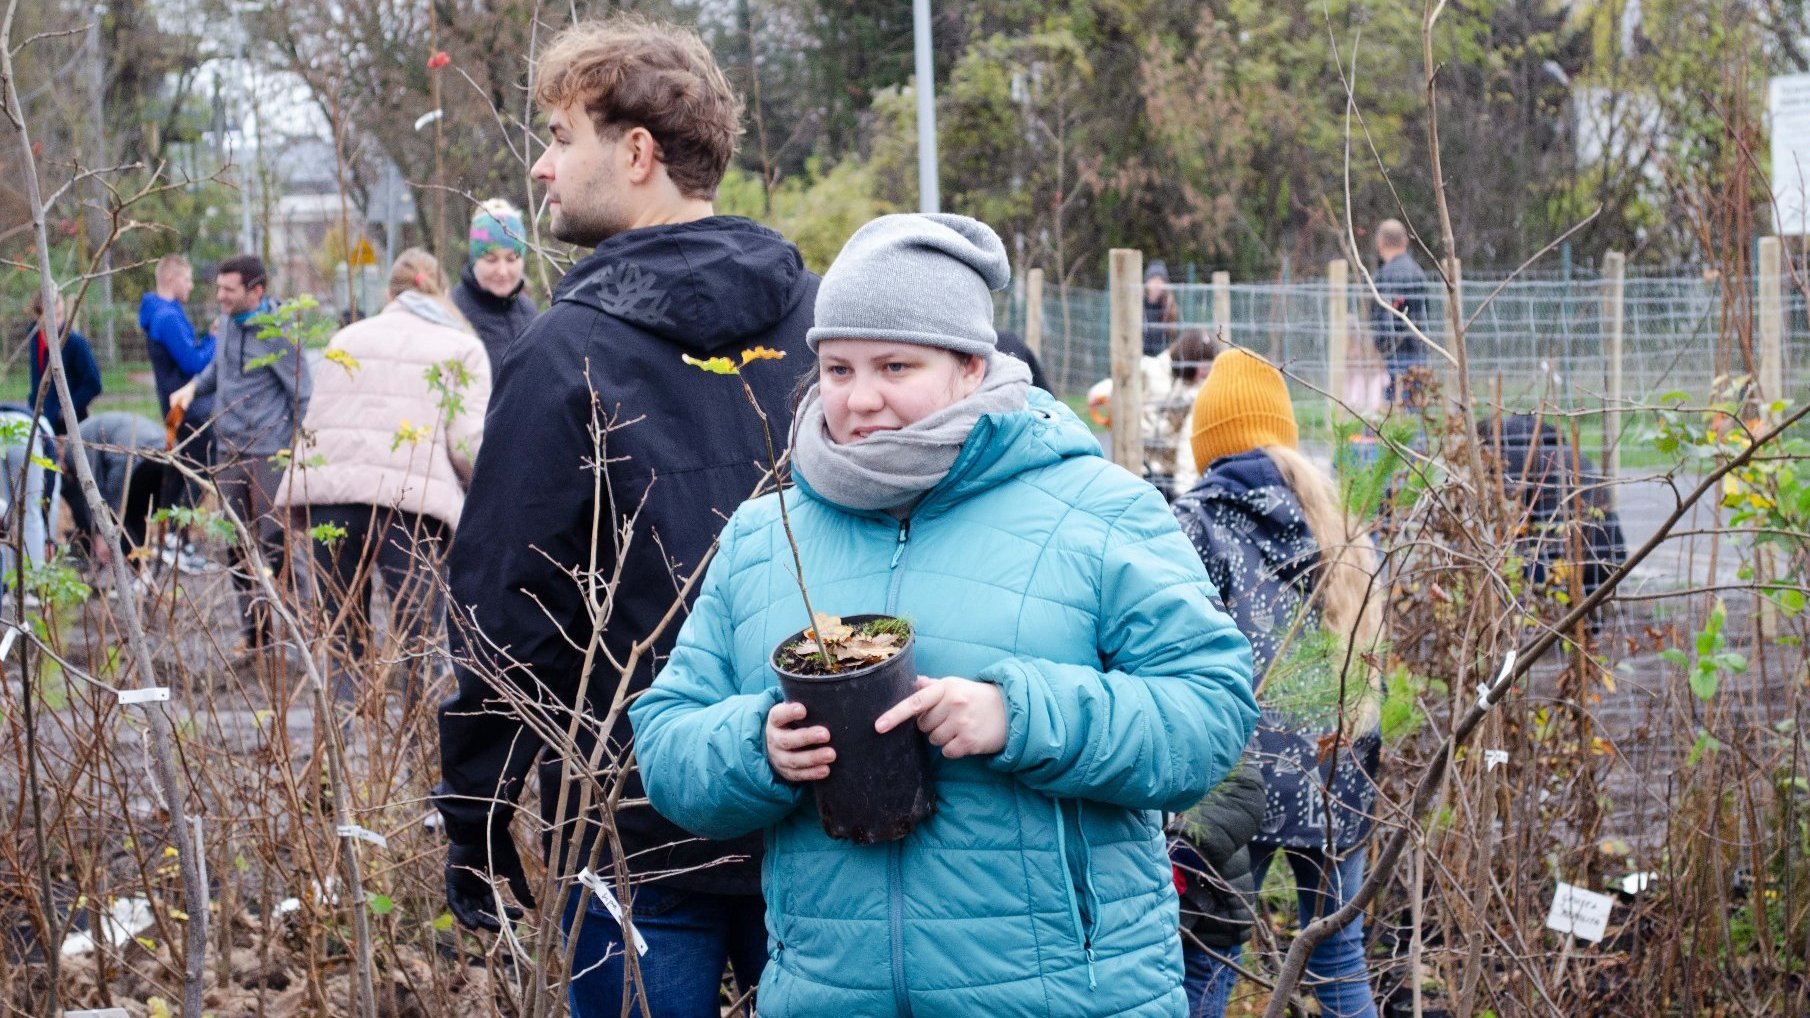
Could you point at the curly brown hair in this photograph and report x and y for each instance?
(632, 71)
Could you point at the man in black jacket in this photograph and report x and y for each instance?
(1403, 287)
(642, 127)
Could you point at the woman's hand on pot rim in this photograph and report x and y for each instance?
(797, 754)
(963, 717)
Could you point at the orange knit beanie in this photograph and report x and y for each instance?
(1243, 405)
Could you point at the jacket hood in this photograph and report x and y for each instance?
(148, 307)
(1248, 495)
(485, 298)
(1239, 474)
(1000, 447)
(702, 285)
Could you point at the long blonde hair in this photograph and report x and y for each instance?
(419, 271)
(1350, 605)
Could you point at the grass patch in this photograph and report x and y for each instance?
(125, 386)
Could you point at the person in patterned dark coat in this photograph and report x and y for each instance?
(1296, 576)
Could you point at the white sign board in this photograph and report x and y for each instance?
(1788, 106)
(1583, 914)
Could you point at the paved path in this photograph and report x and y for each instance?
(1692, 556)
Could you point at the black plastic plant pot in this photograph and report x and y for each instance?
(880, 786)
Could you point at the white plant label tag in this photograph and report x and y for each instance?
(149, 694)
(1582, 914)
(601, 888)
(1494, 758)
(6, 646)
(363, 834)
(105, 1012)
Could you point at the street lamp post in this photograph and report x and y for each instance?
(928, 198)
(246, 237)
(97, 87)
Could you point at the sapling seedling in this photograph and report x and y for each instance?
(832, 643)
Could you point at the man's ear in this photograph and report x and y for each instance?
(641, 153)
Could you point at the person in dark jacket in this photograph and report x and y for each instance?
(1557, 490)
(489, 293)
(1297, 576)
(130, 484)
(1211, 856)
(1009, 343)
(1403, 288)
(635, 180)
(78, 364)
(84, 378)
(1162, 313)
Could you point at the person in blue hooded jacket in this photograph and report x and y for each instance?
(176, 354)
(1084, 680)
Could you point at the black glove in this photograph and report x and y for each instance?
(470, 868)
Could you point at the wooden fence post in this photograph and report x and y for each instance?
(1770, 319)
(1772, 324)
(1338, 334)
(1615, 271)
(1222, 306)
(1127, 280)
(1033, 312)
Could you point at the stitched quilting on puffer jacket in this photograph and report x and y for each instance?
(378, 432)
(1041, 884)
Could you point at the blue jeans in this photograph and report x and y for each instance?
(691, 936)
(1400, 388)
(1207, 980)
(1336, 969)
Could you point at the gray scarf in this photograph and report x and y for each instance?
(892, 469)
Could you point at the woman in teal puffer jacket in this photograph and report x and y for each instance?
(1091, 682)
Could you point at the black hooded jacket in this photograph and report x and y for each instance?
(682, 448)
(498, 321)
(1557, 490)
(1212, 858)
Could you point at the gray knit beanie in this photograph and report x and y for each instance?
(922, 278)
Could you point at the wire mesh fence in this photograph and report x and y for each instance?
(1538, 338)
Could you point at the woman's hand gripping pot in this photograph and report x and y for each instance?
(960, 716)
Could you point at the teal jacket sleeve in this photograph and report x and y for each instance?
(700, 744)
(1167, 715)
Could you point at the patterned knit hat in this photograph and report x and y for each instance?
(1243, 405)
(497, 225)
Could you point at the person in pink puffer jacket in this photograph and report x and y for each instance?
(378, 474)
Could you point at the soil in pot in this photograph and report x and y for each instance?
(880, 786)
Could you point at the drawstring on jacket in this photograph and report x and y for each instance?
(1068, 884)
